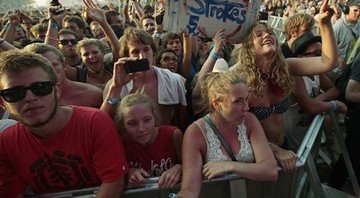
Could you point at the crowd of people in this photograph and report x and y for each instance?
(105, 96)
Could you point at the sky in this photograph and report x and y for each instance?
(67, 3)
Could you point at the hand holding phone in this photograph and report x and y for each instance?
(133, 66)
(54, 3)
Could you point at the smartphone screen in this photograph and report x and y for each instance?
(136, 66)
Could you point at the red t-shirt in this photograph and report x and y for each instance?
(86, 152)
(155, 158)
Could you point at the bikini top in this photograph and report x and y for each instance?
(264, 112)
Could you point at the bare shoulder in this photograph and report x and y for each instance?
(193, 138)
(85, 87)
(178, 133)
(252, 123)
(84, 94)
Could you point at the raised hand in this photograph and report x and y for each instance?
(94, 11)
(325, 13)
(219, 39)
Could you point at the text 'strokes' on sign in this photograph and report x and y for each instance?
(205, 17)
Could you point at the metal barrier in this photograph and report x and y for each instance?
(288, 184)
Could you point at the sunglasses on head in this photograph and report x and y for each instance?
(17, 93)
(66, 41)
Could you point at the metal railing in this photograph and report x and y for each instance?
(232, 185)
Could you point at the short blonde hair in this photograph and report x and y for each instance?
(91, 41)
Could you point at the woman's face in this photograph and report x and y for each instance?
(139, 123)
(169, 61)
(235, 105)
(93, 57)
(264, 41)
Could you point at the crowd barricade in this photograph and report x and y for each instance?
(296, 184)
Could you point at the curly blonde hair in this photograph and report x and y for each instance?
(247, 65)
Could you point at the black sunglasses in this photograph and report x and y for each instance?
(314, 53)
(17, 93)
(66, 41)
(167, 59)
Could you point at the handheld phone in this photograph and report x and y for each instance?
(136, 65)
(54, 3)
(159, 18)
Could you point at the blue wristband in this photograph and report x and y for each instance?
(172, 195)
(55, 25)
(334, 105)
(214, 55)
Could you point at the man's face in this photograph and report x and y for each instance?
(354, 14)
(40, 35)
(93, 26)
(58, 65)
(176, 45)
(141, 51)
(116, 19)
(312, 50)
(67, 46)
(32, 110)
(75, 28)
(149, 25)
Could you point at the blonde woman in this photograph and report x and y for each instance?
(270, 82)
(226, 96)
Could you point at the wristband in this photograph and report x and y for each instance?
(214, 55)
(333, 105)
(113, 101)
(55, 25)
(173, 195)
(8, 26)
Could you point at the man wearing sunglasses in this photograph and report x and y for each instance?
(312, 95)
(67, 45)
(53, 148)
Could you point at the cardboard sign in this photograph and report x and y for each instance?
(206, 17)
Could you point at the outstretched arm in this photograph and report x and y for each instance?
(97, 14)
(329, 57)
(312, 106)
(55, 21)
